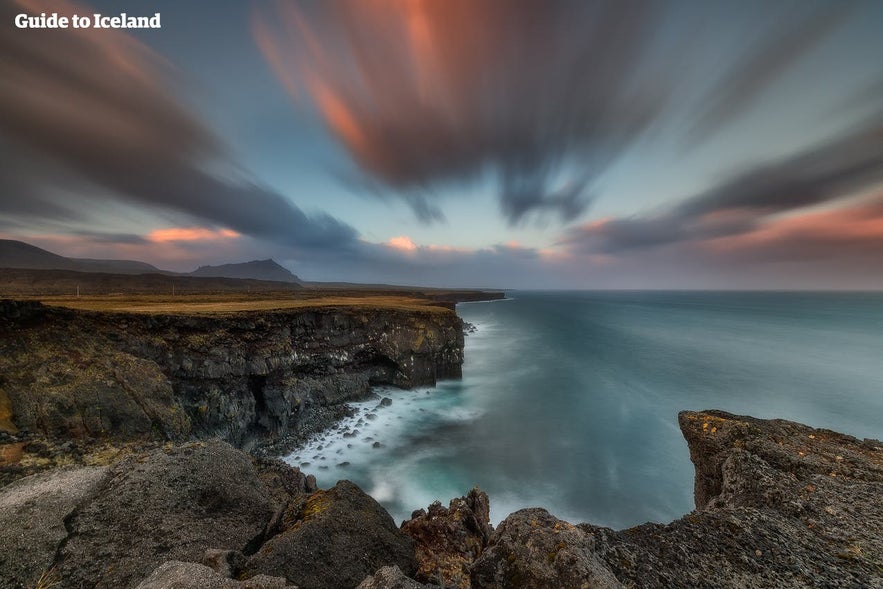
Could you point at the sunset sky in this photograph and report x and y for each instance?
(495, 143)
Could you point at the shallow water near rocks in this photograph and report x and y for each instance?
(569, 401)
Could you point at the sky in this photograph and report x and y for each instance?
(460, 143)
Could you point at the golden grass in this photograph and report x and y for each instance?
(233, 303)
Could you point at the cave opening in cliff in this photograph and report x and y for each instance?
(256, 384)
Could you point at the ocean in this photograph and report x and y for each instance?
(569, 400)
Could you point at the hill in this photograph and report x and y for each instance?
(18, 254)
(256, 269)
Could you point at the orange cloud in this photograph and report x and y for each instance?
(190, 234)
(402, 243)
(844, 225)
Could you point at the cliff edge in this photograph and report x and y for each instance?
(240, 376)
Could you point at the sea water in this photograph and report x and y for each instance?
(569, 400)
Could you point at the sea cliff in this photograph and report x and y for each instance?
(135, 423)
(242, 377)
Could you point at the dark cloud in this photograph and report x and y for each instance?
(838, 168)
(544, 95)
(92, 110)
(541, 94)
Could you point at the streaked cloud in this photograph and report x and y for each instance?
(92, 115)
(543, 96)
(753, 201)
(190, 234)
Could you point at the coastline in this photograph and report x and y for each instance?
(778, 504)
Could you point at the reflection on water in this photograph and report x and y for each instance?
(569, 400)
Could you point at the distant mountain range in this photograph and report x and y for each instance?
(21, 255)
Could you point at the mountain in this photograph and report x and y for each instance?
(257, 269)
(18, 254)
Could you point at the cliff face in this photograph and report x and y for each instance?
(236, 376)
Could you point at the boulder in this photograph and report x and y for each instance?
(392, 577)
(449, 539)
(32, 519)
(532, 548)
(189, 575)
(169, 504)
(333, 539)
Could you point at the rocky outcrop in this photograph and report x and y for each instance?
(532, 548)
(779, 504)
(239, 376)
(449, 539)
(33, 514)
(342, 533)
(170, 504)
(190, 575)
(391, 577)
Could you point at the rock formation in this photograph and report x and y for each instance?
(345, 535)
(240, 377)
(449, 539)
(779, 504)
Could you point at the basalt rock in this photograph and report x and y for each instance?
(170, 504)
(239, 376)
(333, 538)
(779, 505)
(391, 577)
(33, 512)
(449, 539)
(532, 548)
(190, 575)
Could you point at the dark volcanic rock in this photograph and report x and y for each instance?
(449, 539)
(171, 504)
(333, 539)
(532, 548)
(189, 575)
(779, 505)
(392, 578)
(32, 519)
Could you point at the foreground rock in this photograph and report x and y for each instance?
(167, 505)
(779, 504)
(532, 548)
(32, 519)
(190, 575)
(392, 578)
(342, 533)
(449, 539)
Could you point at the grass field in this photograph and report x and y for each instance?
(238, 302)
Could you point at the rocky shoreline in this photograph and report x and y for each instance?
(134, 454)
(778, 504)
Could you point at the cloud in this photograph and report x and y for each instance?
(544, 96)
(821, 176)
(92, 113)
